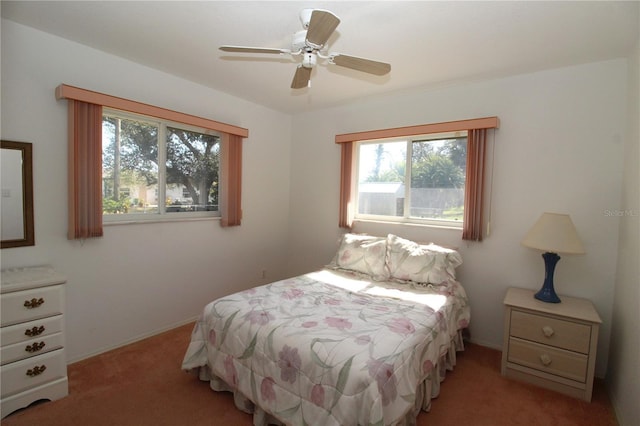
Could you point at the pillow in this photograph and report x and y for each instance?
(423, 264)
(365, 254)
(453, 259)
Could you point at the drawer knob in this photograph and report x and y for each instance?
(547, 331)
(545, 359)
(35, 331)
(33, 303)
(35, 347)
(35, 371)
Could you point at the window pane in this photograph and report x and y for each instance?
(381, 175)
(129, 166)
(437, 179)
(192, 171)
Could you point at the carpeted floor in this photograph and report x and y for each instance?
(142, 384)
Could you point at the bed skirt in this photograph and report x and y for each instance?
(427, 390)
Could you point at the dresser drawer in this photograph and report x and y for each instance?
(26, 374)
(26, 331)
(27, 305)
(562, 334)
(550, 360)
(33, 347)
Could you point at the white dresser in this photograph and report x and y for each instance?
(552, 345)
(33, 362)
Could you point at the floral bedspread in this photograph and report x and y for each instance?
(328, 347)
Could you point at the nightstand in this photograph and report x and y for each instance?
(33, 364)
(552, 345)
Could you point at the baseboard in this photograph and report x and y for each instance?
(486, 344)
(615, 404)
(132, 340)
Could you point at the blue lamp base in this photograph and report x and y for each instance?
(547, 293)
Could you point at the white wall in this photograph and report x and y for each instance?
(559, 148)
(623, 376)
(138, 279)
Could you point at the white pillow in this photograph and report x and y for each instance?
(424, 264)
(365, 254)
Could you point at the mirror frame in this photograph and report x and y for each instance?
(27, 199)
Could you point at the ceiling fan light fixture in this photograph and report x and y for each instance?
(309, 59)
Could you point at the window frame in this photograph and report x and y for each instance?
(406, 218)
(162, 215)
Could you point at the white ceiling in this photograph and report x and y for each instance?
(428, 44)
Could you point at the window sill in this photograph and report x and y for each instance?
(137, 221)
(457, 226)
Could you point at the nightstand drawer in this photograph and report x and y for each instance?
(31, 304)
(562, 334)
(29, 373)
(550, 360)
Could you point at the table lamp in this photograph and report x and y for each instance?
(553, 233)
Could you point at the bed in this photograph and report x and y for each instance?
(364, 341)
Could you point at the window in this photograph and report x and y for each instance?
(475, 194)
(154, 169)
(416, 179)
(85, 121)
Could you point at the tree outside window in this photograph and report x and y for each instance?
(166, 168)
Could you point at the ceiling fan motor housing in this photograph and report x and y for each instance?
(299, 41)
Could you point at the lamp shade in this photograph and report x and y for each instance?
(555, 233)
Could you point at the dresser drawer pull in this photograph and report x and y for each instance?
(33, 303)
(35, 347)
(547, 331)
(545, 359)
(36, 371)
(35, 331)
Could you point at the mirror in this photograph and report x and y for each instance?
(17, 194)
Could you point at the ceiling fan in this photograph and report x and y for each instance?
(310, 43)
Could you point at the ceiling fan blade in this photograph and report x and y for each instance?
(360, 64)
(301, 78)
(243, 49)
(322, 24)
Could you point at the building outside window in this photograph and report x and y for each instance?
(419, 179)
